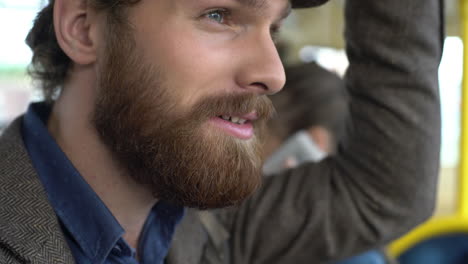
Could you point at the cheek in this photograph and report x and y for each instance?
(194, 64)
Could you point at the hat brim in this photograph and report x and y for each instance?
(307, 3)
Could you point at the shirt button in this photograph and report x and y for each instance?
(117, 250)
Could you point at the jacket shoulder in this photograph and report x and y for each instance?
(29, 228)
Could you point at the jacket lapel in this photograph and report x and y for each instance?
(28, 224)
(200, 238)
(189, 240)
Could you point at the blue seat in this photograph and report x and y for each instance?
(444, 249)
(369, 257)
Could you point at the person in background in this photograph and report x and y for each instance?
(314, 101)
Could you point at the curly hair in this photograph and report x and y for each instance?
(49, 64)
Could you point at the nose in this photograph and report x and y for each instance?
(261, 70)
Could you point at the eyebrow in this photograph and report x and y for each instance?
(260, 4)
(257, 4)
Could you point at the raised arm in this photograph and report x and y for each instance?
(382, 182)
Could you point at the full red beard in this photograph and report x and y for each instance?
(175, 153)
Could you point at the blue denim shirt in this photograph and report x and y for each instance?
(92, 232)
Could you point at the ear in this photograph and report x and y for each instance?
(73, 29)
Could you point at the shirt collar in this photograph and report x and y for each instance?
(85, 218)
(80, 210)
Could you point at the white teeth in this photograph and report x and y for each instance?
(234, 119)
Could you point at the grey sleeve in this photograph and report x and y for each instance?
(382, 182)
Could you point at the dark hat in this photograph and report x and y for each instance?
(307, 3)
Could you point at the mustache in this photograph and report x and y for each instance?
(233, 104)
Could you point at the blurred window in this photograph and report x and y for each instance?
(16, 18)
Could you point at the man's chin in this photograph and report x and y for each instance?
(212, 199)
(210, 184)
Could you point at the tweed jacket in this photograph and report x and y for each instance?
(380, 184)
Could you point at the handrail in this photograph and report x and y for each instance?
(462, 206)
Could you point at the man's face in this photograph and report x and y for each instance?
(182, 98)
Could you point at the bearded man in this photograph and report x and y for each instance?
(154, 106)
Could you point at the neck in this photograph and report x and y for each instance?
(70, 125)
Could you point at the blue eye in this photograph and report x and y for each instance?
(217, 15)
